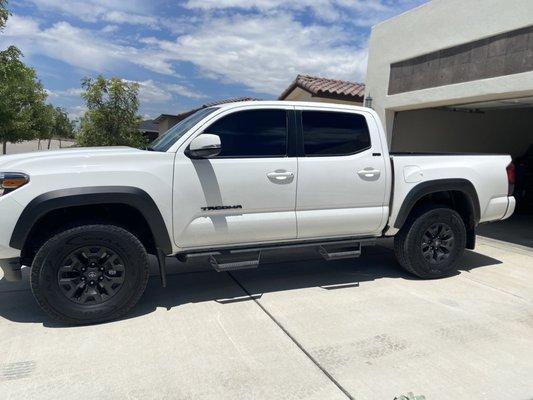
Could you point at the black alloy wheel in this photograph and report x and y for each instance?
(437, 243)
(91, 275)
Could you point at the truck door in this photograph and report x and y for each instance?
(247, 194)
(342, 178)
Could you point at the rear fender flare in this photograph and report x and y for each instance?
(440, 185)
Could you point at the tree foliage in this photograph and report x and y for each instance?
(23, 112)
(63, 126)
(51, 123)
(4, 13)
(21, 99)
(111, 118)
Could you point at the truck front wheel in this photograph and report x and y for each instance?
(89, 274)
(431, 242)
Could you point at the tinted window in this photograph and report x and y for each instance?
(255, 133)
(334, 133)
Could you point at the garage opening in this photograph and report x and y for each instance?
(504, 126)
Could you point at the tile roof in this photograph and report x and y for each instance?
(233, 100)
(325, 87)
(185, 114)
(148, 125)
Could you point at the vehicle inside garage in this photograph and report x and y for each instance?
(503, 126)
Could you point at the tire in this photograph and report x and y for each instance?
(89, 274)
(423, 250)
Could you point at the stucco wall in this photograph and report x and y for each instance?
(438, 25)
(497, 131)
(301, 95)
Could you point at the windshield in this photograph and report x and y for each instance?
(165, 141)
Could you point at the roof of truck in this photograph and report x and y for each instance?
(273, 103)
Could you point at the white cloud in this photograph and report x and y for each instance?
(119, 17)
(358, 12)
(134, 12)
(266, 53)
(185, 91)
(150, 92)
(78, 47)
(71, 92)
(157, 92)
(109, 29)
(76, 112)
(261, 44)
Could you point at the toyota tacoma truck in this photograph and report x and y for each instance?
(228, 183)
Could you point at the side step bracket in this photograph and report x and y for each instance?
(235, 261)
(332, 252)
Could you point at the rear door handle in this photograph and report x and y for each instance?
(281, 176)
(369, 173)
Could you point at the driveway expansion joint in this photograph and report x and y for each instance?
(293, 339)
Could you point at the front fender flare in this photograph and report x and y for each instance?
(63, 198)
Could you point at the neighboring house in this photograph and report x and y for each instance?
(166, 121)
(149, 129)
(312, 88)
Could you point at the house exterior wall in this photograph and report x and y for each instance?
(299, 94)
(165, 123)
(440, 25)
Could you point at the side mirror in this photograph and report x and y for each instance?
(204, 146)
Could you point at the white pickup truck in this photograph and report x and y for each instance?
(229, 182)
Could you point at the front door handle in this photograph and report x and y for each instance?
(369, 174)
(280, 176)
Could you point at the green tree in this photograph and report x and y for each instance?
(63, 126)
(4, 13)
(51, 122)
(21, 99)
(43, 122)
(111, 118)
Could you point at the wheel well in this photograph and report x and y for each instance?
(456, 200)
(56, 221)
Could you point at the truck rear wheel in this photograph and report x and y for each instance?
(89, 274)
(431, 242)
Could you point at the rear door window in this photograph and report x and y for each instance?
(328, 133)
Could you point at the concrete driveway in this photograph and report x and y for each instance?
(291, 330)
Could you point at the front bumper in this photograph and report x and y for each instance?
(11, 268)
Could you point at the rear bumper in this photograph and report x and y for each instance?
(498, 208)
(511, 205)
(11, 268)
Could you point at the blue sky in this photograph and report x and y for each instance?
(186, 53)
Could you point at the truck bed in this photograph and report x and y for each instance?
(485, 172)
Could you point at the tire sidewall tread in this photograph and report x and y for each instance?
(43, 274)
(407, 242)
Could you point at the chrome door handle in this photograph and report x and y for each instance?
(369, 173)
(280, 176)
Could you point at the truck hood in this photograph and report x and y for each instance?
(77, 155)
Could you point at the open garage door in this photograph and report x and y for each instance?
(504, 126)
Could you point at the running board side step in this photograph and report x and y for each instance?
(231, 259)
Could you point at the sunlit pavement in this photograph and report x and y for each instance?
(294, 329)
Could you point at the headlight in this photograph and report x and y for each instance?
(10, 181)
